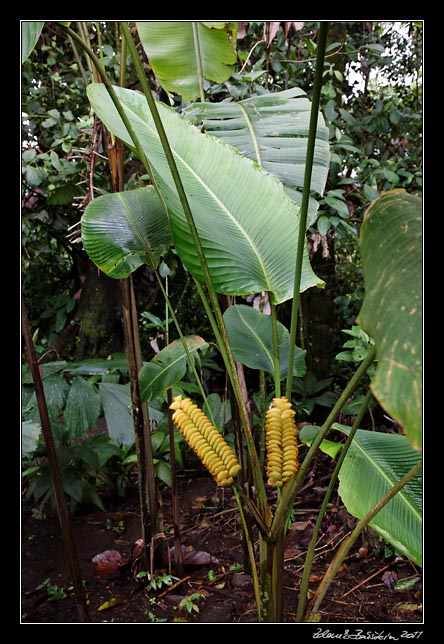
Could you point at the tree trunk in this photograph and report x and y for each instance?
(99, 316)
(318, 308)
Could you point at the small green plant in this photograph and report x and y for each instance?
(53, 591)
(157, 581)
(236, 567)
(152, 617)
(189, 603)
(37, 514)
(212, 575)
(115, 526)
(357, 348)
(82, 467)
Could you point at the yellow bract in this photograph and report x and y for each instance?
(205, 440)
(281, 442)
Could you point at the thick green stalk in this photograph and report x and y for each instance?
(250, 547)
(230, 363)
(262, 403)
(178, 556)
(291, 487)
(84, 38)
(278, 578)
(311, 547)
(266, 580)
(276, 363)
(345, 547)
(322, 39)
(122, 73)
(198, 61)
(99, 41)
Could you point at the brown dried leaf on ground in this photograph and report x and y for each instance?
(107, 563)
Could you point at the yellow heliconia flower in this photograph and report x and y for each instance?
(205, 440)
(281, 442)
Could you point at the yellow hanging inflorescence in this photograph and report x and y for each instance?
(205, 440)
(281, 442)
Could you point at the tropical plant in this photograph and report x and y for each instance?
(239, 230)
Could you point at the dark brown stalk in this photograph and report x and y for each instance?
(56, 477)
(147, 485)
(142, 462)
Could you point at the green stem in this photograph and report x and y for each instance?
(178, 557)
(311, 547)
(266, 584)
(322, 39)
(167, 317)
(189, 359)
(291, 487)
(198, 60)
(276, 363)
(278, 578)
(122, 74)
(99, 41)
(301, 329)
(345, 547)
(250, 547)
(78, 61)
(85, 45)
(262, 399)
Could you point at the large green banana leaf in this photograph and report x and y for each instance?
(31, 31)
(374, 463)
(271, 129)
(122, 230)
(247, 224)
(180, 52)
(391, 251)
(251, 340)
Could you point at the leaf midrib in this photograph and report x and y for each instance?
(211, 193)
(356, 444)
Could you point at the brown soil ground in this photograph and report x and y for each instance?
(362, 593)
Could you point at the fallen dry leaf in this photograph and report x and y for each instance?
(315, 578)
(390, 578)
(193, 557)
(107, 563)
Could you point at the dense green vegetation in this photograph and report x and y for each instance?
(371, 100)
